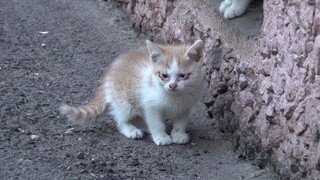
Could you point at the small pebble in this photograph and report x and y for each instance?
(80, 155)
(69, 131)
(34, 137)
(21, 130)
(196, 154)
(103, 164)
(20, 160)
(113, 164)
(43, 32)
(135, 163)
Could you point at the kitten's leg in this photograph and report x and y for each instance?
(224, 5)
(178, 132)
(123, 115)
(157, 127)
(127, 129)
(236, 8)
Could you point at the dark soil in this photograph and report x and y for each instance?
(39, 71)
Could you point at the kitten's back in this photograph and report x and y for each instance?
(123, 77)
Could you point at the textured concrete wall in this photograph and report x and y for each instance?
(266, 91)
(289, 86)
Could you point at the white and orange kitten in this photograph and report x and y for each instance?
(233, 8)
(149, 84)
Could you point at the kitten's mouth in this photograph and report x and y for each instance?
(173, 91)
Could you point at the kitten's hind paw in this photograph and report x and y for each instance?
(180, 138)
(162, 140)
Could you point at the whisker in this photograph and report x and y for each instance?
(193, 88)
(191, 92)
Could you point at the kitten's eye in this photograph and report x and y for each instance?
(164, 76)
(183, 76)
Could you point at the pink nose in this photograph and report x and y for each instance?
(173, 86)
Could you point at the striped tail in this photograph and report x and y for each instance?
(89, 112)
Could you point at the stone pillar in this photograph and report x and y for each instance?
(287, 121)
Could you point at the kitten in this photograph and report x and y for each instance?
(233, 8)
(151, 84)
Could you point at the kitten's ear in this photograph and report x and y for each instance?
(154, 51)
(195, 51)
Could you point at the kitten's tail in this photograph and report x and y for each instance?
(89, 112)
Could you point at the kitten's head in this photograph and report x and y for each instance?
(177, 68)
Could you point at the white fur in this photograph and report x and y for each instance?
(160, 103)
(233, 8)
(123, 112)
(172, 72)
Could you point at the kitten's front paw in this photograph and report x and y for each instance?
(180, 138)
(224, 5)
(133, 133)
(233, 11)
(162, 140)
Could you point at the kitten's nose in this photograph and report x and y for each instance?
(173, 86)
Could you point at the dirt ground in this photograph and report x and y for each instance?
(54, 51)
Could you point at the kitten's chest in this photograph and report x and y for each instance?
(173, 106)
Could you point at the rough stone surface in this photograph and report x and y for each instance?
(289, 44)
(264, 89)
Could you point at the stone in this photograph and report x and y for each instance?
(135, 162)
(249, 103)
(300, 127)
(289, 111)
(222, 88)
(214, 56)
(270, 112)
(69, 131)
(266, 68)
(243, 85)
(276, 137)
